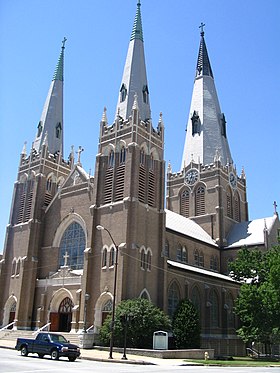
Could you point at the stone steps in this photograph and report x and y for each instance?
(12, 335)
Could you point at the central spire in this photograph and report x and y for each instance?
(134, 80)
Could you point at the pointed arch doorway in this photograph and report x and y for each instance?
(61, 320)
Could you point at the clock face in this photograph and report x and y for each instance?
(232, 180)
(191, 177)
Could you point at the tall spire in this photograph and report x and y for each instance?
(206, 127)
(51, 121)
(134, 80)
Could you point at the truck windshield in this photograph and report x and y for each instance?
(58, 338)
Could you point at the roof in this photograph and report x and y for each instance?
(187, 227)
(200, 271)
(249, 233)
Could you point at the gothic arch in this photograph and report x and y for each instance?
(173, 296)
(196, 297)
(145, 294)
(110, 147)
(58, 297)
(101, 301)
(120, 145)
(144, 147)
(64, 224)
(9, 305)
(200, 192)
(154, 152)
(23, 178)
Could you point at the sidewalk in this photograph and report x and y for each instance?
(98, 355)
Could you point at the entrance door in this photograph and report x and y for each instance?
(54, 320)
(65, 315)
(12, 314)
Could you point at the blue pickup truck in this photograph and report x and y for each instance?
(51, 344)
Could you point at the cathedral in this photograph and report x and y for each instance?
(167, 235)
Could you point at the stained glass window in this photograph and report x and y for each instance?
(74, 243)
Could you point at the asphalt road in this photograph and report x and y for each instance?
(12, 362)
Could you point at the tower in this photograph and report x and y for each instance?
(207, 189)
(129, 181)
(40, 174)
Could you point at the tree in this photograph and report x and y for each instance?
(144, 320)
(186, 326)
(258, 303)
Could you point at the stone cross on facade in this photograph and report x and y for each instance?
(65, 256)
(79, 151)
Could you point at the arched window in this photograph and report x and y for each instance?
(196, 299)
(184, 255)
(142, 157)
(106, 310)
(145, 94)
(111, 159)
(74, 242)
(166, 249)
(185, 204)
(230, 313)
(18, 267)
(144, 295)
(196, 258)
(173, 298)
(104, 258)
(149, 261)
(200, 201)
(122, 155)
(123, 92)
(14, 264)
(49, 184)
(229, 203)
(58, 130)
(179, 252)
(143, 259)
(214, 309)
(152, 162)
(112, 257)
(39, 129)
(236, 207)
(214, 262)
(201, 259)
(66, 306)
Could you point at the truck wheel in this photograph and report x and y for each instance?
(24, 351)
(72, 358)
(54, 355)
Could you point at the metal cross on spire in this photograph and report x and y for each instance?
(275, 207)
(63, 42)
(201, 27)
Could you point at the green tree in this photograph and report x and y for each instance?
(258, 303)
(145, 319)
(186, 326)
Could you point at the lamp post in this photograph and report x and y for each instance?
(101, 228)
(87, 296)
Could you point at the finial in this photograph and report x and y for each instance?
(23, 152)
(169, 168)
(104, 116)
(201, 27)
(275, 208)
(135, 103)
(63, 42)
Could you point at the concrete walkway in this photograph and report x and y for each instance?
(98, 355)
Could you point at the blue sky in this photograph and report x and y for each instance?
(242, 38)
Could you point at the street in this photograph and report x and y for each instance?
(12, 362)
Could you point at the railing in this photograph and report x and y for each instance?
(7, 326)
(91, 327)
(42, 328)
(251, 352)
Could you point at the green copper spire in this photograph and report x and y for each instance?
(58, 74)
(137, 32)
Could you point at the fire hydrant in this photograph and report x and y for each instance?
(206, 355)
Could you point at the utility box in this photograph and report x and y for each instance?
(160, 340)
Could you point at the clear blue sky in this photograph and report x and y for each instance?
(242, 38)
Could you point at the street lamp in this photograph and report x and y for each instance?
(87, 296)
(101, 228)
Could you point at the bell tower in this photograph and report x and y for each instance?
(129, 177)
(207, 189)
(40, 174)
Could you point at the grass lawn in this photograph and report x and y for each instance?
(238, 361)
